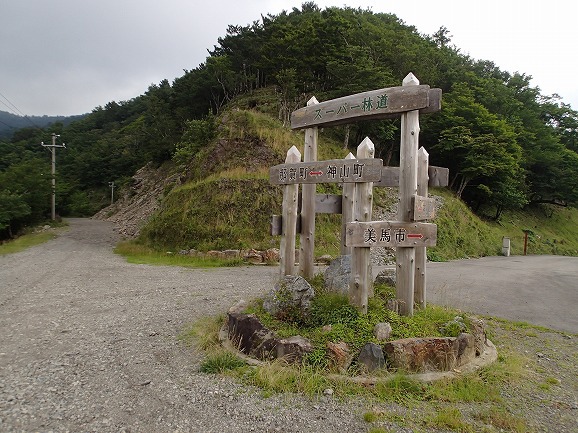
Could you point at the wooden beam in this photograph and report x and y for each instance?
(289, 222)
(372, 105)
(307, 234)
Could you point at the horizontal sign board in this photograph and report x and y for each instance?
(331, 171)
(424, 208)
(437, 176)
(375, 104)
(390, 234)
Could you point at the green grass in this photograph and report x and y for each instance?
(142, 254)
(26, 241)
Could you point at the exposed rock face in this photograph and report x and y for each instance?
(338, 275)
(137, 204)
(371, 356)
(290, 298)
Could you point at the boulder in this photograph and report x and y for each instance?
(324, 259)
(339, 356)
(382, 331)
(465, 348)
(421, 354)
(247, 333)
(371, 356)
(271, 255)
(386, 276)
(290, 298)
(478, 330)
(338, 275)
(293, 348)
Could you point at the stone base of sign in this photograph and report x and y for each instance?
(425, 359)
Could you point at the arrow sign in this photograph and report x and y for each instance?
(390, 234)
(330, 171)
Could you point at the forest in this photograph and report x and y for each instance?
(507, 145)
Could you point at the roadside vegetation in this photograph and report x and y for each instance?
(514, 394)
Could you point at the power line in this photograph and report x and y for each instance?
(17, 111)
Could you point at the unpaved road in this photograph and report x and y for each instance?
(88, 343)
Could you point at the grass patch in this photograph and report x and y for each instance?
(141, 254)
(504, 421)
(449, 418)
(221, 362)
(26, 241)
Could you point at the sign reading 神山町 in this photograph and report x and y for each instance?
(330, 171)
(375, 104)
(390, 234)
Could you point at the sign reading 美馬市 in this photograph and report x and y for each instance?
(330, 171)
(372, 105)
(391, 234)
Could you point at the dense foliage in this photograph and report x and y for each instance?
(506, 144)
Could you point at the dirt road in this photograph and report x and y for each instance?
(89, 343)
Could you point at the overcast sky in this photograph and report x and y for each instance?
(70, 56)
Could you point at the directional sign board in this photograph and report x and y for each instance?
(331, 171)
(390, 234)
(375, 104)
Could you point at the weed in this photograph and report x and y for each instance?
(221, 362)
(501, 419)
(451, 418)
(25, 241)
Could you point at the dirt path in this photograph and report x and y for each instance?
(89, 343)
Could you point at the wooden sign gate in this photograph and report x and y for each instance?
(358, 176)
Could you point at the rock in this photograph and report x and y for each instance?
(328, 392)
(478, 330)
(231, 254)
(271, 255)
(253, 256)
(293, 348)
(247, 333)
(324, 259)
(339, 356)
(465, 349)
(215, 254)
(382, 331)
(392, 305)
(290, 298)
(387, 276)
(326, 328)
(421, 354)
(338, 275)
(238, 307)
(371, 356)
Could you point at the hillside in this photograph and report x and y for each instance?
(10, 123)
(508, 147)
(223, 200)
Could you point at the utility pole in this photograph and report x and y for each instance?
(52, 148)
(111, 185)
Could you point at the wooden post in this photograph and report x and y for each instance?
(405, 257)
(346, 210)
(307, 235)
(289, 219)
(420, 252)
(361, 285)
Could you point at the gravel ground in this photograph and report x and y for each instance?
(88, 343)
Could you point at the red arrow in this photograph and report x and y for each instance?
(315, 173)
(415, 236)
